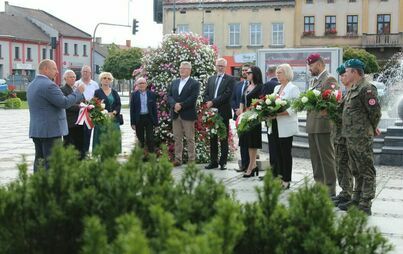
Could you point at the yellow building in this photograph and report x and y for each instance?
(237, 27)
(376, 25)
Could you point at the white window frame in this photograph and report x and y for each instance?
(182, 28)
(255, 34)
(208, 33)
(234, 32)
(277, 38)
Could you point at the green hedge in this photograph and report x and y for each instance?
(13, 103)
(22, 95)
(102, 205)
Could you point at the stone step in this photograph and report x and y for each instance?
(392, 156)
(395, 131)
(393, 141)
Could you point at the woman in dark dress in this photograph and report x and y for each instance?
(252, 138)
(111, 99)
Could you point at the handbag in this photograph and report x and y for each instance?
(120, 119)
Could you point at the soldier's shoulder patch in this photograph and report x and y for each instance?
(371, 102)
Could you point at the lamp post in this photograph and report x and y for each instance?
(174, 21)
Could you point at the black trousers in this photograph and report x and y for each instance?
(43, 149)
(145, 132)
(272, 150)
(75, 138)
(283, 147)
(223, 147)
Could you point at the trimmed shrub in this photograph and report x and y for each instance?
(101, 205)
(22, 95)
(13, 103)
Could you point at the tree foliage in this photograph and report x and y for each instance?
(122, 62)
(101, 205)
(371, 65)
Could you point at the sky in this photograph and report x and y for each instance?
(86, 14)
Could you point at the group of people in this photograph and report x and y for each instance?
(340, 150)
(54, 110)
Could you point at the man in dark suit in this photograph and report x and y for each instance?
(319, 127)
(47, 106)
(143, 115)
(75, 135)
(182, 97)
(218, 95)
(268, 88)
(238, 90)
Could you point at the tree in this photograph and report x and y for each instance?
(121, 62)
(371, 65)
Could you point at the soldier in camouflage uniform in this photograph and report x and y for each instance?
(360, 118)
(344, 175)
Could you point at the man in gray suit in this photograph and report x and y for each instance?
(47, 106)
(182, 97)
(319, 128)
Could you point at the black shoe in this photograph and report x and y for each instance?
(285, 185)
(347, 205)
(340, 200)
(254, 171)
(365, 209)
(223, 167)
(211, 166)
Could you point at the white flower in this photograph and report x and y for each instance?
(214, 131)
(278, 101)
(283, 103)
(268, 101)
(316, 92)
(251, 117)
(103, 105)
(258, 107)
(304, 99)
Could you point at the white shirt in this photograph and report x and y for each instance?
(218, 82)
(89, 88)
(182, 83)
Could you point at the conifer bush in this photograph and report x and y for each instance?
(101, 205)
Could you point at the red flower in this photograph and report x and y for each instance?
(326, 94)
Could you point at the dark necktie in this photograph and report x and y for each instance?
(217, 83)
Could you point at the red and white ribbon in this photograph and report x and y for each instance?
(84, 115)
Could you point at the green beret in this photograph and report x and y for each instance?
(355, 64)
(341, 69)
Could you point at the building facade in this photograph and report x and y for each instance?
(238, 28)
(28, 36)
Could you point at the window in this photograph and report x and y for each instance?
(51, 54)
(383, 24)
(208, 33)
(84, 50)
(183, 28)
(234, 34)
(309, 1)
(29, 54)
(75, 49)
(309, 25)
(352, 24)
(43, 53)
(1, 56)
(66, 48)
(330, 25)
(17, 53)
(352, 1)
(278, 34)
(330, 1)
(255, 36)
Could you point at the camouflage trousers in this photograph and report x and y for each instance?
(361, 160)
(344, 175)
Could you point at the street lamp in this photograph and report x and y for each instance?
(174, 21)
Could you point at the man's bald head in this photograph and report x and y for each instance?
(48, 68)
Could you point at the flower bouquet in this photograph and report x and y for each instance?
(246, 121)
(214, 123)
(92, 113)
(314, 100)
(269, 105)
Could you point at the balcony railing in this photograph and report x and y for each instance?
(382, 40)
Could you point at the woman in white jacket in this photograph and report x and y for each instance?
(285, 124)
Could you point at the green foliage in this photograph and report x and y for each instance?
(101, 205)
(371, 65)
(22, 95)
(122, 62)
(13, 103)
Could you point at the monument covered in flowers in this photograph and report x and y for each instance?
(161, 66)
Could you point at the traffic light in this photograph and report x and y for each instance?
(135, 26)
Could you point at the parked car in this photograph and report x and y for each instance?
(3, 85)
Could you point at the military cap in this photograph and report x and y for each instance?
(312, 58)
(341, 69)
(355, 64)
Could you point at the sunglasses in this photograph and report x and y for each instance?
(249, 72)
(107, 78)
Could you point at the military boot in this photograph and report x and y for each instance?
(345, 206)
(339, 199)
(365, 206)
